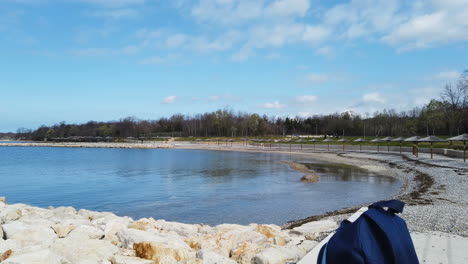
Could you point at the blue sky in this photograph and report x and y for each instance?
(80, 60)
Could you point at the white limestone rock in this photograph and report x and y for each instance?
(64, 211)
(8, 245)
(9, 214)
(81, 251)
(280, 255)
(312, 229)
(245, 252)
(111, 225)
(29, 235)
(164, 252)
(62, 230)
(308, 245)
(118, 259)
(43, 256)
(86, 232)
(130, 236)
(271, 256)
(181, 229)
(210, 257)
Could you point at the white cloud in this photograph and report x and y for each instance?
(448, 75)
(117, 13)
(226, 97)
(91, 52)
(112, 3)
(317, 77)
(170, 99)
(360, 18)
(241, 11)
(213, 98)
(430, 29)
(273, 105)
(304, 114)
(273, 56)
(373, 97)
(422, 96)
(314, 34)
(306, 99)
(176, 40)
(326, 51)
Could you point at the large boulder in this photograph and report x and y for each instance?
(62, 230)
(29, 235)
(118, 259)
(111, 225)
(129, 236)
(9, 214)
(284, 254)
(81, 251)
(86, 232)
(208, 242)
(245, 252)
(274, 233)
(312, 230)
(6, 245)
(181, 229)
(210, 257)
(160, 252)
(43, 256)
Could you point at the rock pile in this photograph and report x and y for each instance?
(65, 236)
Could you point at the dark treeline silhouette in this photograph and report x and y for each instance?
(447, 115)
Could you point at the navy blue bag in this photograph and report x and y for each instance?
(377, 236)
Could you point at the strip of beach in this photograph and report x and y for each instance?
(436, 211)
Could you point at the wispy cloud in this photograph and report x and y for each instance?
(306, 99)
(314, 77)
(112, 3)
(373, 97)
(170, 99)
(238, 11)
(117, 13)
(273, 105)
(448, 75)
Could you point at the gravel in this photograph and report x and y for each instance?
(435, 191)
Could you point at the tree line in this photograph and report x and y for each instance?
(447, 115)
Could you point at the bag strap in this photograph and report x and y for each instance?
(394, 206)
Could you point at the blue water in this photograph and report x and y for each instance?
(191, 186)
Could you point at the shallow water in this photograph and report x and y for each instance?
(191, 186)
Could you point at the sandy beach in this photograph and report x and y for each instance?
(434, 192)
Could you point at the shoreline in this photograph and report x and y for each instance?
(434, 192)
(417, 187)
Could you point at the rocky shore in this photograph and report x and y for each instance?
(434, 191)
(64, 235)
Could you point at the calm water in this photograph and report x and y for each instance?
(191, 186)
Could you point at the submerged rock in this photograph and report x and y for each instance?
(312, 178)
